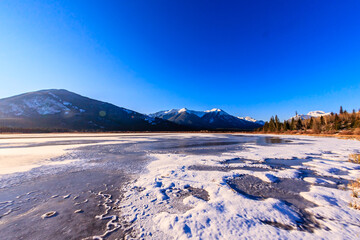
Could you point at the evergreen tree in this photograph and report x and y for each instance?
(277, 123)
(292, 125)
(287, 125)
(353, 120)
(311, 122)
(266, 127)
(284, 129)
(336, 122)
(272, 125)
(299, 124)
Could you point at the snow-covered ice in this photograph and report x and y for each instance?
(231, 215)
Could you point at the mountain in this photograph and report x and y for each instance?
(311, 114)
(250, 119)
(61, 109)
(214, 119)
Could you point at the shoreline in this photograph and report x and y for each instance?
(89, 134)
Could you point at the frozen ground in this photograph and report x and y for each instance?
(176, 186)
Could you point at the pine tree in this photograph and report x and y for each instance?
(272, 125)
(266, 127)
(311, 122)
(299, 124)
(287, 125)
(353, 120)
(292, 125)
(336, 122)
(277, 123)
(284, 126)
(341, 110)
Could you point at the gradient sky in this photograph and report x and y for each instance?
(251, 58)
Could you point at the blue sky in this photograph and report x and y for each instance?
(256, 58)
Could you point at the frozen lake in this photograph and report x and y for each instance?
(176, 186)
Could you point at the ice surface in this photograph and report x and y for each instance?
(172, 199)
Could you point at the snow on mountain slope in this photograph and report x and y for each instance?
(317, 113)
(311, 114)
(217, 110)
(209, 119)
(197, 113)
(169, 113)
(33, 104)
(250, 119)
(45, 105)
(173, 112)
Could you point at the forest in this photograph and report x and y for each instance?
(343, 122)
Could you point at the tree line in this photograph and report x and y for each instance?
(342, 122)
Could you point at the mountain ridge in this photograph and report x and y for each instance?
(62, 109)
(209, 119)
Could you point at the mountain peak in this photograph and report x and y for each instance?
(250, 119)
(316, 113)
(310, 114)
(214, 110)
(215, 118)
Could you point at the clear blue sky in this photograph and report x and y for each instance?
(256, 58)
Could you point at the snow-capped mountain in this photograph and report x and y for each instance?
(66, 110)
(311, 114)
(250, 119)
(209, 119)
(61, 109)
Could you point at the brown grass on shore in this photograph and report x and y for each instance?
(355, 194)
(354, 158)
(355, 185)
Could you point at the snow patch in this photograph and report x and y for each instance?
(44, 105)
